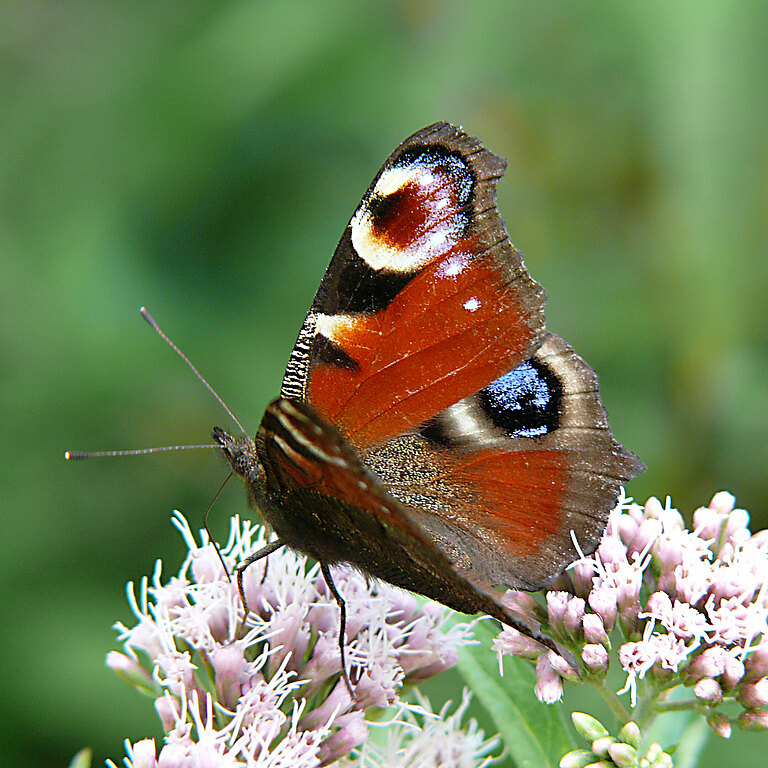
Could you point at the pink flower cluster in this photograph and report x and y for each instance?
(266, 689)
(689, 607)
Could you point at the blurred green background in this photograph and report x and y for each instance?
(203, 158)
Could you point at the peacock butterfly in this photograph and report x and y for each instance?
(429, 431)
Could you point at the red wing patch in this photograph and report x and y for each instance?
(457, 326)
(518, 496)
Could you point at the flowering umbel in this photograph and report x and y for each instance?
(674, 607)
(266, 689)
(671, 608)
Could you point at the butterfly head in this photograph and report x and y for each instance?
(240, 453)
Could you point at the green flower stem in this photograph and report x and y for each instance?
(614, 703)
(647, 707)
(681, 704)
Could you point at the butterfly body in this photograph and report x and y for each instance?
(367, 528)
(430, 431)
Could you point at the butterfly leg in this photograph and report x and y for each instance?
(326, 571)
(265, 551)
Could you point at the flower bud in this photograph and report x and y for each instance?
(601, 746)
(557, 602)
(375, 688)
(753, 720)
(647, 533)
(290, 635)
(709, 691)
(653, 509)
(574, 612)
(594, 629)
(353, 733)
(217, 619)
(510, 642)
(206, 566)
(564, 668)
(419, 674)
(636, 512)
(630, 734)
(582, 574)
(165, 706)
(623, 755)
(709, 663)
(230, 668)
(588, 727)
(737, 524)
(338, 701)
(173, 594)
(595, 656)
(83, 758)
(756, 664)
(707, 523)
(131, 671)
(177, 754)
(627, 529)
(657, 757)
(720, 724)
(324, 662)
(404, 605)
(430, 664)
(143, 754)
(611, 551)
(578, 758)
(732, 674)
(753, 695)
(722, 502)
(659, 604)
(522, 602)
(549, 684)
(670, 555)
(603, 602)
(663, 760)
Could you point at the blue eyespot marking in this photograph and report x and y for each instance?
(524, 402)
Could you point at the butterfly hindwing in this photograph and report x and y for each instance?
(510, 480)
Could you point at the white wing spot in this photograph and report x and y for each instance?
(425, 179)
(472, 305)
(440, 231)
(455, 265)
(333, 326)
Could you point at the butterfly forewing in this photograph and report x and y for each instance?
(425, 300)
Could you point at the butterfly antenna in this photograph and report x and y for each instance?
(153, 323)
(208, 530)
(78, 455)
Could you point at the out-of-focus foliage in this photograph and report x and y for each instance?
(203, 158)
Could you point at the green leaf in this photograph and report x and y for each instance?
(692, 743)
(82, 759)
(535, 734)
